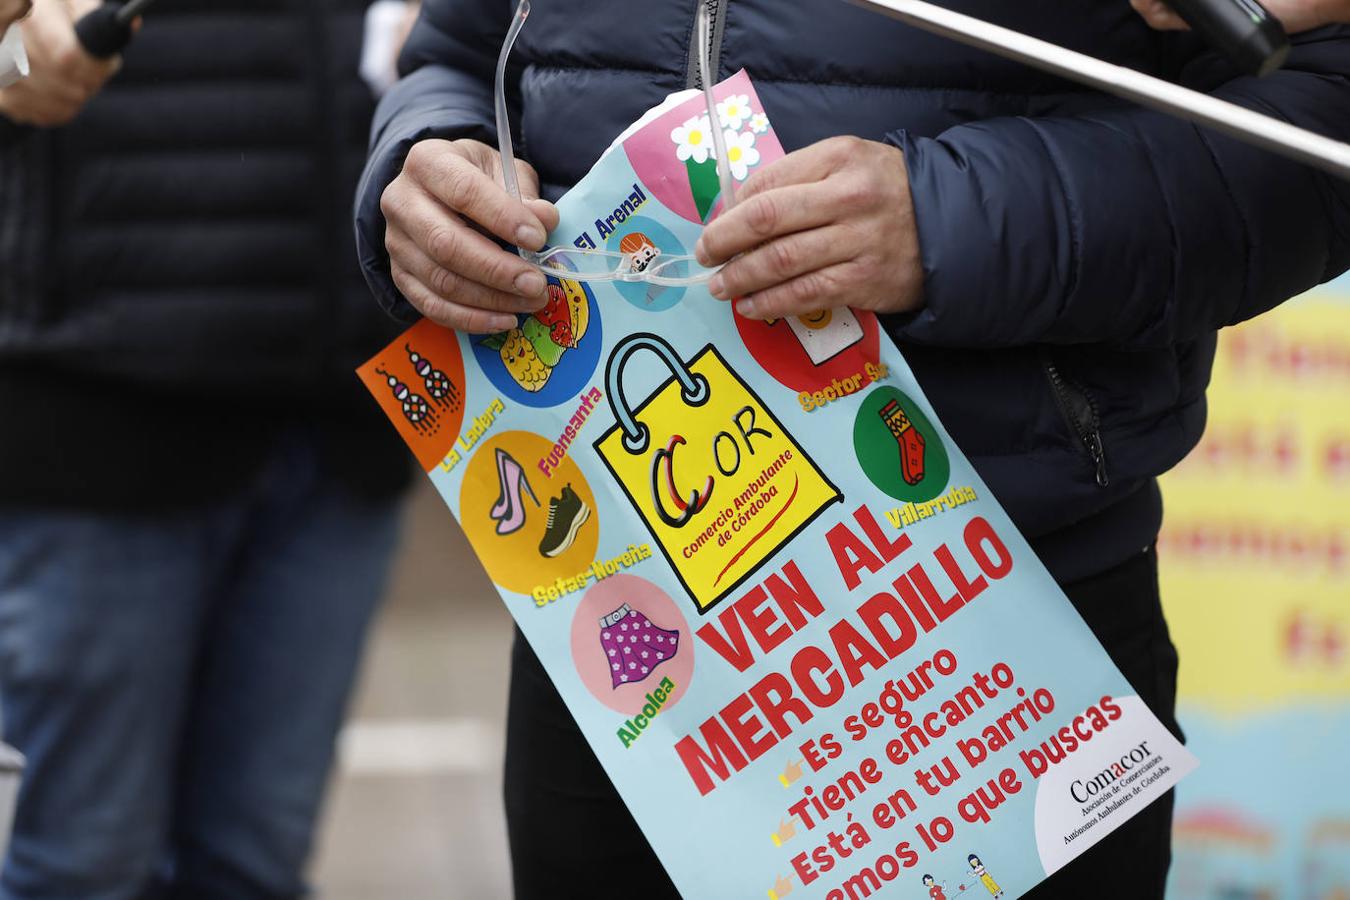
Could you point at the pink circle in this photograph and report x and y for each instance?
(649, 609)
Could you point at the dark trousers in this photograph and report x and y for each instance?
(571, 835)
(177, 682)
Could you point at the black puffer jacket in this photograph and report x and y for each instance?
(177, 278)
(1079, 253)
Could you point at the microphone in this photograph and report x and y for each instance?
(1246, 33)
(106, 31)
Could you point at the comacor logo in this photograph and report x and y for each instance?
(1083, 791)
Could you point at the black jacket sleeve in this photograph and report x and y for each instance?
(1128, 226)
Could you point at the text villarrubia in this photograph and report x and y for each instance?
(924, 593)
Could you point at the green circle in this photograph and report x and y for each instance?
(879, 451)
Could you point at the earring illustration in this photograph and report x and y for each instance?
(509, 511)
(415, 407)
(442, 391)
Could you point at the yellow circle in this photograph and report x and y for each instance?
(816, 320)
(507, 523)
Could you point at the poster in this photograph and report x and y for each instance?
(1255, 572)
(811, 651)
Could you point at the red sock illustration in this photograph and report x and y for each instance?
(634, 646)
(908, 438)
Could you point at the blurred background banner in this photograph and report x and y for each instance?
(1255, 570)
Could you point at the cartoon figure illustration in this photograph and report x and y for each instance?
(415, 407)
(934, 889)
(639, 250)
(827, 333)
(531, 351)
(908, 438)
(634, 646)
(443, 393)
(567, 512)
(509, 510)
(977, 870)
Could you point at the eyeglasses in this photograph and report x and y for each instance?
(647, 264)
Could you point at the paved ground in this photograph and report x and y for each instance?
(415, 812)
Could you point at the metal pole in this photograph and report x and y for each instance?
(1236, 121)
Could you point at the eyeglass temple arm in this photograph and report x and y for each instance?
(728, 184)
(504, 145)
(507, 150)
(1236, 121)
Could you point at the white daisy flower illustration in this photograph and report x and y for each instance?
(741, 154)
(734, 110)
(693, 140)
(759, 123)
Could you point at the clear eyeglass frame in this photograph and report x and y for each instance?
(606, 265)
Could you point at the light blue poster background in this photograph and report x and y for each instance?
(723, 844)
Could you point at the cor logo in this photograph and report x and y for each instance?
(713, 474)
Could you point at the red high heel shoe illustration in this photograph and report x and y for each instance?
(509, 512)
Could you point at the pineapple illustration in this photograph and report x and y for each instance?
(522, 361)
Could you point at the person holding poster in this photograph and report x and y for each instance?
(1053, 263)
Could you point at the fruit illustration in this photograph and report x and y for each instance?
(558, 317)
(578, 309)
(522, 361)
(541, 339)
(531, 351)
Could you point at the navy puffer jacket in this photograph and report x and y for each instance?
(1080, 253)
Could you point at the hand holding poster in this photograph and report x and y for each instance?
(813, 654)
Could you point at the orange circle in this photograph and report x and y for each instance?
(513, 547)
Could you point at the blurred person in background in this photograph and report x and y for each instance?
(1295, 15)
(197, 502)
(1054, 263)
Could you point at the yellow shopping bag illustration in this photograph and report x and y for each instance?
(715, 476)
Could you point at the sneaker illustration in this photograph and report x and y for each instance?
(567, 512)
